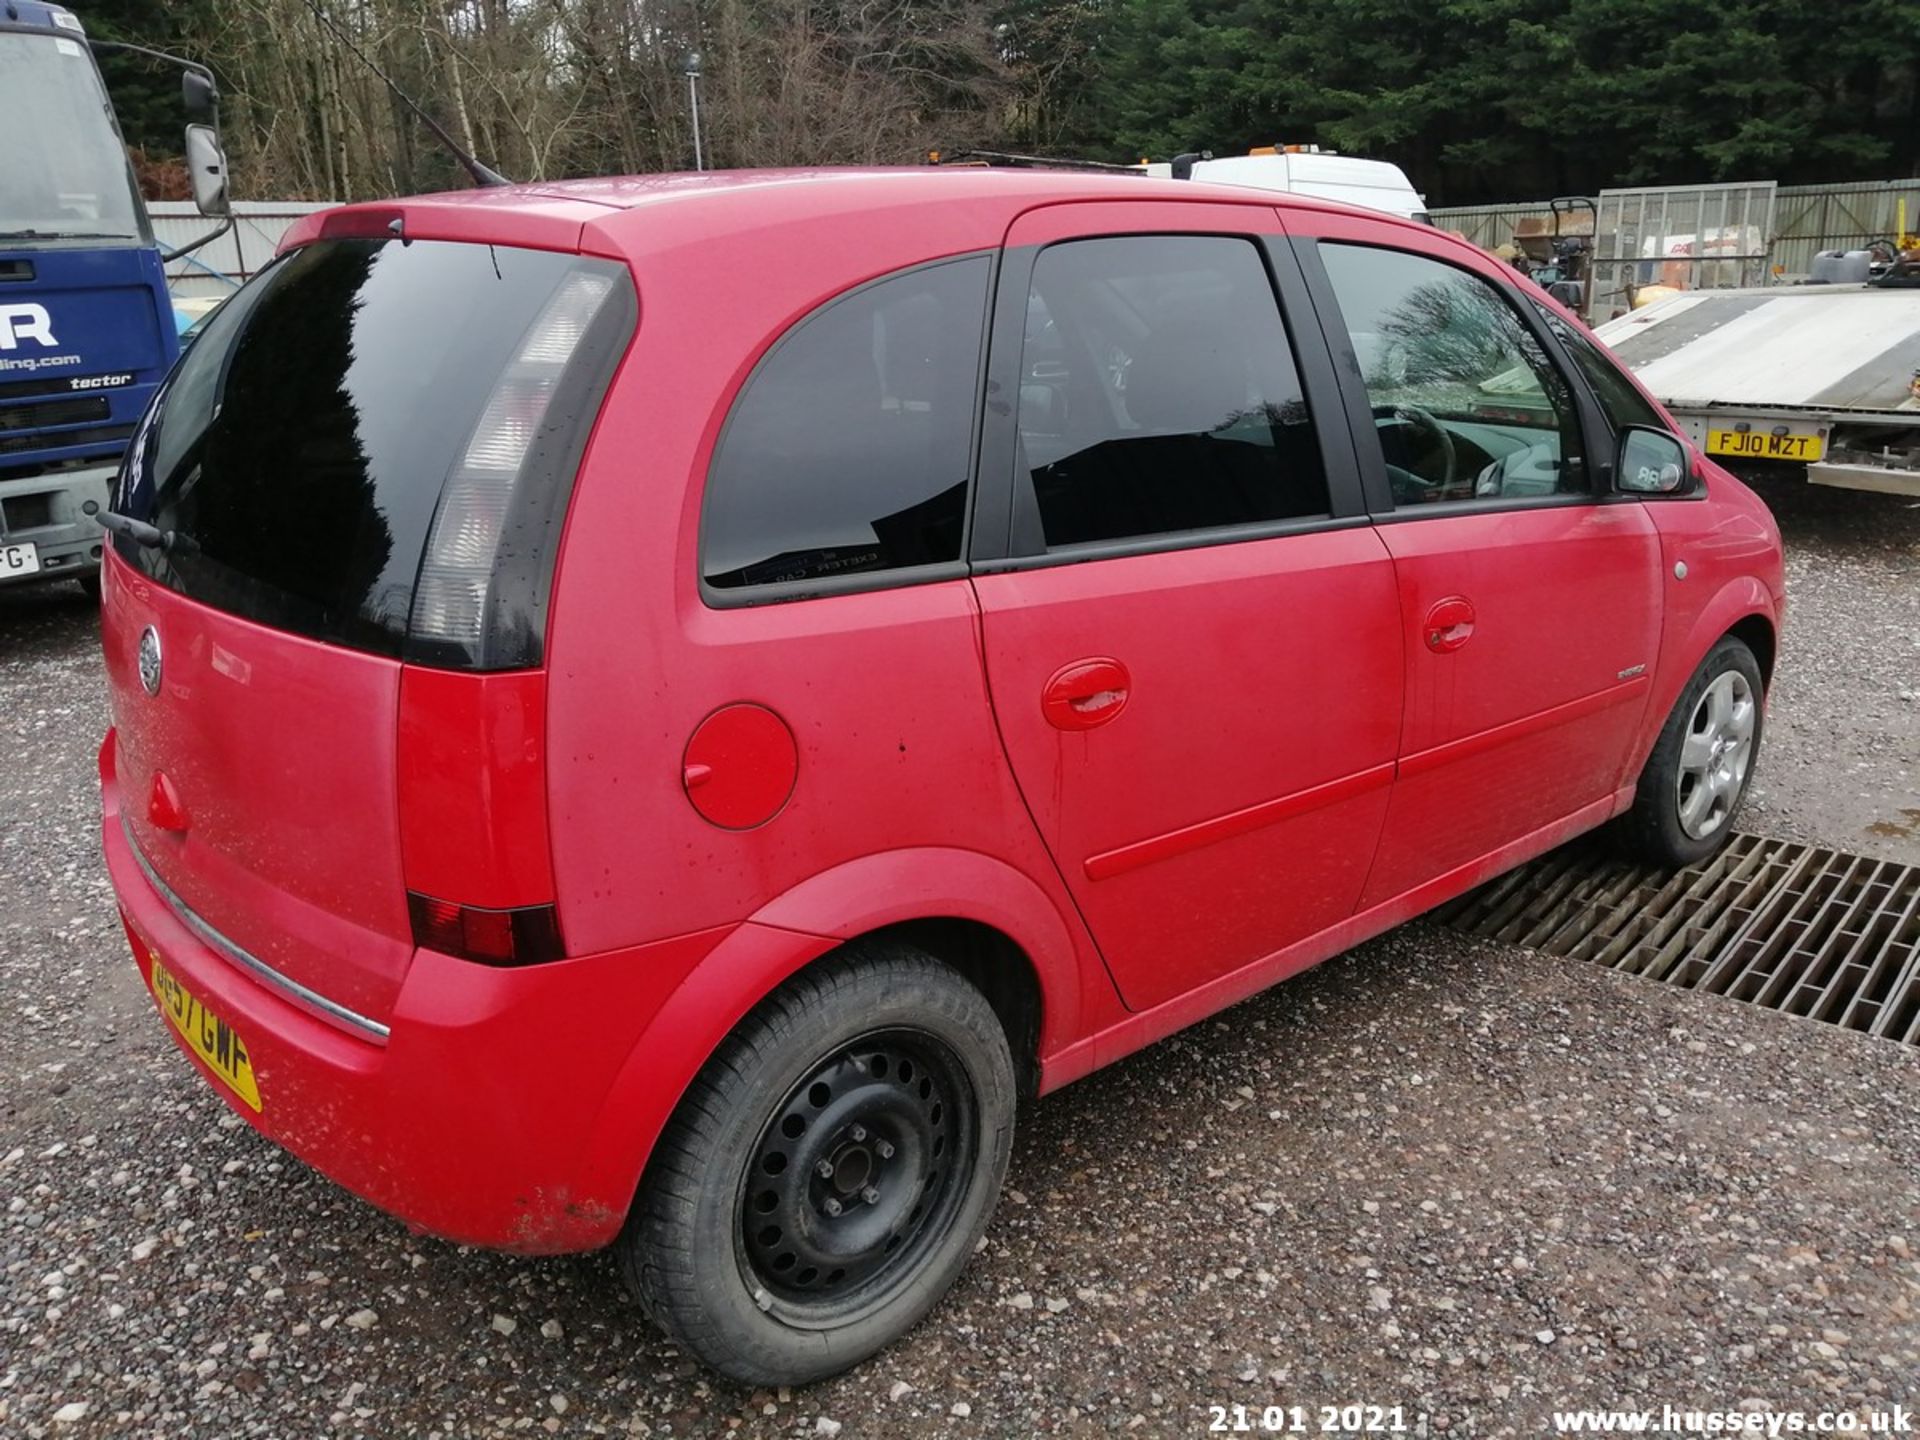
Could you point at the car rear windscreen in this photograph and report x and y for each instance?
(297, 455)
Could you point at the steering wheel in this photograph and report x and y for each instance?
(1423, 420)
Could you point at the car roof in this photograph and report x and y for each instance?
(629, 214)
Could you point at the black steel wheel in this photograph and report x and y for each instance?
(825, 1178)
(853, 1180)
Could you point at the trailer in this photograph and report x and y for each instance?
(1821, 376)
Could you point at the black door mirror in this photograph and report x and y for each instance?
(1651, 462)
(198, 94)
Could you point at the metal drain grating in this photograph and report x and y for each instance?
(1798, 928)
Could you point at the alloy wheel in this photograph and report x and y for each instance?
(1715, 754)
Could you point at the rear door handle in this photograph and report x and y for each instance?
(1449, 624)
(1086, 694)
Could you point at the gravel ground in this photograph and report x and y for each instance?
(1842, 762)
(1441, 1174)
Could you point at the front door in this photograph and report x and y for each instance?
(1529, 599)
(1191, 634)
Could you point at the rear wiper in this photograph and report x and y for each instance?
(141, 533)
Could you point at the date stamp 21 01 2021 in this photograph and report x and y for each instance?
(1344, 1420)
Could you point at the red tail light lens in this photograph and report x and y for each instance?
(529, 935)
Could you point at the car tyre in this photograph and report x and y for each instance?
(827, 1174)
(90, 585)
(1701, 764)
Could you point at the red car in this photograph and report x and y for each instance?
(653, 712)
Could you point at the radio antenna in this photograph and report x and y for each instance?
(483, 175)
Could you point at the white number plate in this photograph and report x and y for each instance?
(16, 560)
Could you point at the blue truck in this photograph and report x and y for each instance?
(86, 326)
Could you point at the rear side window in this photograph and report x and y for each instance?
(1159, 394)
(848, 450)
(348, 451)
(1619, 397)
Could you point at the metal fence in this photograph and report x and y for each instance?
(1489, 226)
(235, 256)
(1806, 219)
(1811, 218)
(1686, 237)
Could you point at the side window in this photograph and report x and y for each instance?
(848, 449)
(1465, 401)
(1619, 397)
(1158, 392)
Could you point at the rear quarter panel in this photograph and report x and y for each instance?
(884, 691)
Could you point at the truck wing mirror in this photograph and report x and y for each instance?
(199, 94)
(207, 168)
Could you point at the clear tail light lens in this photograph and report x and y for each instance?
(480, 600)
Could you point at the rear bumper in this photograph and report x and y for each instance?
(67, 539)
(477, 1120)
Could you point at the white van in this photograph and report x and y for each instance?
(1308, 170)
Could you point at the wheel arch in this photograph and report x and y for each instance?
(986, 919)
(1757, 633)
(1744, 608)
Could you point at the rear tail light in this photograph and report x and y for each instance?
(474, 845)
(480, 601)
(529, 935)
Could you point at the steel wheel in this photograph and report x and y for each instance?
(1715, 754)
(853, 1181)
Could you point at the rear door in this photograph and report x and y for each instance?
(296, 459)
(1530, 597)
(1190, 628)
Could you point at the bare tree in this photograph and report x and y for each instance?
(550, 88)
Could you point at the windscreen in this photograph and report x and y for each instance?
(371, 444)
(63, 171)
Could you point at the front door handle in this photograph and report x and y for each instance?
(1086, 694)
(1449, 625)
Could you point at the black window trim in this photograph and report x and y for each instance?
(748, 596)
(1596, 435)
(998, 543)
(1538, 308)
(1609, 454)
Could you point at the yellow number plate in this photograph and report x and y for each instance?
(1759, 445)
(209, 1037)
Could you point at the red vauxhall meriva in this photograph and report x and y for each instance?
(653, 711)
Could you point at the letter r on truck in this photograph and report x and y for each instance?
(25, 322)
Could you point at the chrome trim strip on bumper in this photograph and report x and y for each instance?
(291, 989)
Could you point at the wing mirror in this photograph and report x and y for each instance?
(1652, 462)
(200, 96)
(207, 169)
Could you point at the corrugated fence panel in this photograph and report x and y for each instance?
(1811, 218)
(1807, 218)
(258, 226)
(1488, 225)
